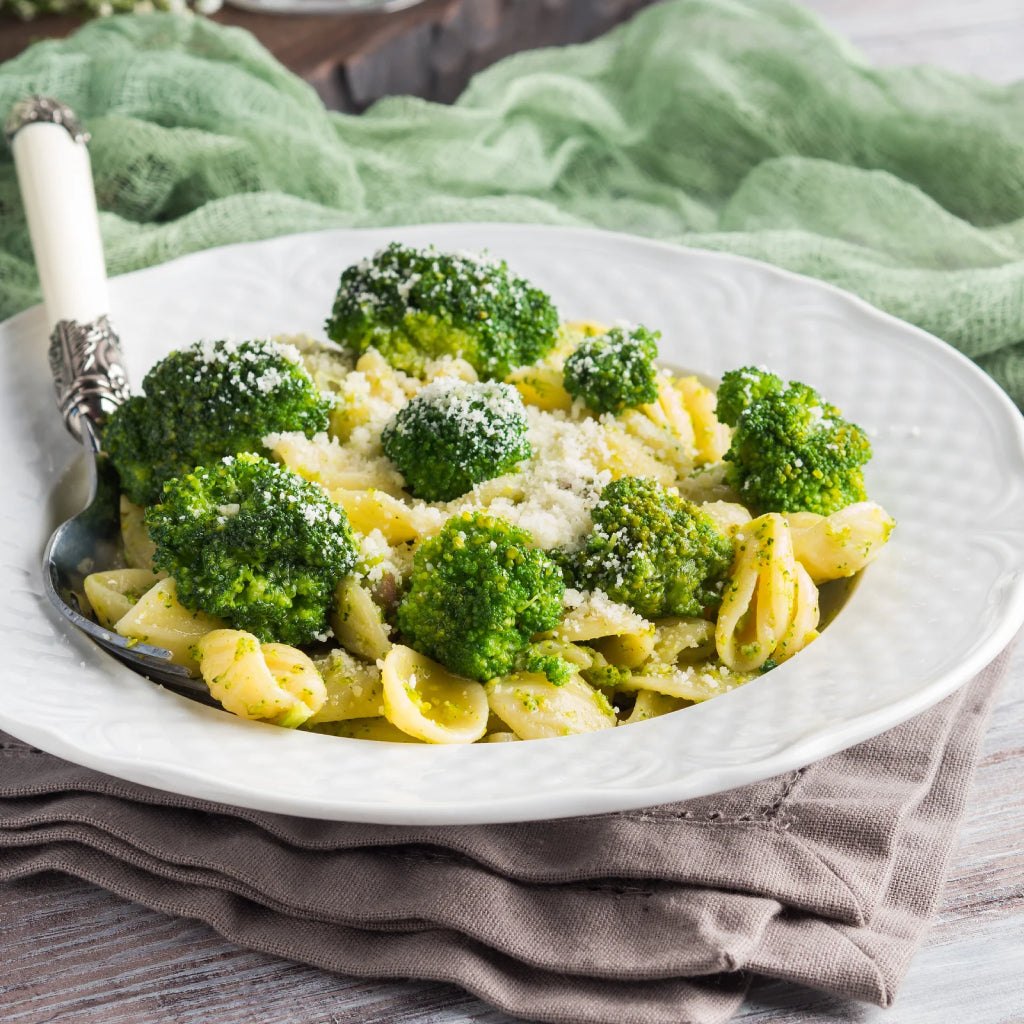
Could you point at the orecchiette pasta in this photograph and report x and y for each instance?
(729, 515)
(603, 663)
(358, 623)
(664, 428)
(535, 708)
(383, 380)
(690, 682)
(596, 615)
(159, 618)
(378, 729)
(629, 649)
(679, 638)
(831, 547)
(769, 605)
(651, 704)
(541, 386)
(803, 626)
(112, 594)
(354, 689)
(274, 682)
(372, 509)
(580, 656)
(624, 454)
(670, 412)
(335, 466)
(710, 438)
(425, 700)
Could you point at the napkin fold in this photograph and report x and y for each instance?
(826, 876)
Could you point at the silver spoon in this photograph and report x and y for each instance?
(55, 178)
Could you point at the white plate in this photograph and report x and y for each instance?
(942, 600)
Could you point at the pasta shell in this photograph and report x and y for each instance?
(425, 700)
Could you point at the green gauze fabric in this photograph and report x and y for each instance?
(740, 125)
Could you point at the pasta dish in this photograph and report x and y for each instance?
(463, 519)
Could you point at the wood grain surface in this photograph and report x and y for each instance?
(74, 953)
(430, 50)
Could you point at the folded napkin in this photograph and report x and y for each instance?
(740, 125)
(825, 876)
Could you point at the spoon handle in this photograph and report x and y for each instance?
(55, 178)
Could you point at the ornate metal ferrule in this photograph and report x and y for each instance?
(43, 109)
(88, 372)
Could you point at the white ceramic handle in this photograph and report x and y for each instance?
(55, 178)
(60, 205)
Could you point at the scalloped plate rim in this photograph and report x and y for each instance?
(185, 779)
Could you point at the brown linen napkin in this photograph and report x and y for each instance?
(826, 876)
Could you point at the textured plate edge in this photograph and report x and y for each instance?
(709, 780)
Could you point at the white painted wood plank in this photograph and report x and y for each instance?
(983, 38)
(913, 17)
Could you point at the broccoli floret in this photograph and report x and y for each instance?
(739, 388)
(413, 305)
(548, 658)
(557, 670)
(478, 592)
(212, 399)
(255, 544)
(453, 435)
(652, 550)
(608, 677)
(614, 371)
(793, 452)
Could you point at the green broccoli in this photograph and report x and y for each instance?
(478, 592)
(413, 305)
(614, 371)
(791, 451)
(211, 399)
(652, 550)
(608, 677)
(740, 388)
(557, 670)
(453, 435)
(255, 544)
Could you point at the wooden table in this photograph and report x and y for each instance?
(429, 50)
(77, 954)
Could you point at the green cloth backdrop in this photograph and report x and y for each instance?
(741, 125)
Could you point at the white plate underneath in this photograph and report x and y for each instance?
(945, 596)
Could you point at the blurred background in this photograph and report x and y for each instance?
(431, 48)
